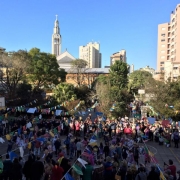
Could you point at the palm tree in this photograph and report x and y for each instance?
(64, 92)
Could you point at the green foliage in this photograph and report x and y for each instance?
(44, 69)
(164, 95)
(24, 90)
(137, 79)
(113, 89)
(82, 92)
(64, 92)
(118, 74)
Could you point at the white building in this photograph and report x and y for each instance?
(65, 60)
(56, 39)
(91, 54)
(118, 56)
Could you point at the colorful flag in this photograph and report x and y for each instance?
(77, 169)
(68, 177)
(83, 162)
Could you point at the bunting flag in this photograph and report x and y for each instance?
(2, 140)
(77, 105)
(77, 169)
(113, 107)
(83, 162)
(68, 177)
(55, 131)
(95, 104)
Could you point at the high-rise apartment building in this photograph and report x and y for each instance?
(118, 56)
(91, 54)
(168, 50)
(56, 39)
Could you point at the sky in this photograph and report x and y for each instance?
(116, 24)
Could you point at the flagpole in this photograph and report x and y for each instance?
(75, 161)
(154, 161)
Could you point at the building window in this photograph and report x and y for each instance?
(162, 57)
(174, 68)
(162, 51)
(163, 35)
(163, 45)
(162, 40)
(162, 62)
(162, 68)
(163, 29)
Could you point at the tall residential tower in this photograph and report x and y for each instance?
(91, 54)
(168, 50)
(56, 39)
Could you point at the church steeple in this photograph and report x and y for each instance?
(56, 39)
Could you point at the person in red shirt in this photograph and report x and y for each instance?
(128, 130)
(57, 172)
(171, 167)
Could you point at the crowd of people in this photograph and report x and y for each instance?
(111, 149)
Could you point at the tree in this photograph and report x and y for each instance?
(79, 71)
(164, 97)
(12, 70)
(24, 90)
(64, 92)
(119, 74)
(119, 91)
(44, 70)
(137, 79)
(103, 91)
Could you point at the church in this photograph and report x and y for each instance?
(64, 59)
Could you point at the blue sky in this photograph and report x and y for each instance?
(116, 24)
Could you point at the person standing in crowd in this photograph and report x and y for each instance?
(57, 145)
(87, 172)
(176, 138)
(57, 172)
(37, 169)
(27, 169)
(108, 169)
(1, 167)
(170, 167)
(67, 144)
(142, 174)
(7, 169)
(78, 147)
(153, 174)
(16, 170)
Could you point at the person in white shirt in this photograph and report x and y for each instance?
(78, 147)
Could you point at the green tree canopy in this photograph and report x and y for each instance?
(44, 70)
(119, 74)
(164, 97)
(138, 78)
(64, 92)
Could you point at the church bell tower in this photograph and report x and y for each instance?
(56, 39)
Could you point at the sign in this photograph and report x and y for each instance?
(141, 91)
